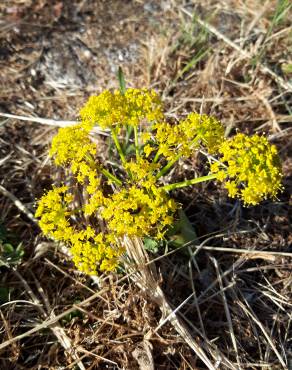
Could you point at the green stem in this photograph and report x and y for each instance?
(194, 181)
(106, 173)
(122, 81)
(172, 162)
(129, 131)
(157, 155)
(120, 151)
(118, 146)
(168, 166)
(136, 142)
(110, 176)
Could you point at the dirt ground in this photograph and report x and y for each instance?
(229, 58)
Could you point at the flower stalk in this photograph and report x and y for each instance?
(118, 146)
(185, 183)
(111, 177)
(136, 142)
(167, 167)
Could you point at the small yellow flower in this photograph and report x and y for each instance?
(232, 188)
(148, 150)
(139, 211)
(189, 134)
(253, 170)
(71, 144)
(110, 110)
(205, 129)
(54, 213)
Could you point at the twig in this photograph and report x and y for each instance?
(43, 121)
(51, 122)
(18, 204)
(275, 125)
(8, 331)
(260, 253)
(195, 298)
(248, 310)
(144, 275)
(227, 311)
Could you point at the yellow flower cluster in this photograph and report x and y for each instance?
(111, 110)
(139, 212)
(142, 171)
(141, 208)
(89, 250)
(72, 144)
(205, 129)
(142, 104)
(138, 204)
(72, 147)
(181, 139)
(251, 168)
(54, 212)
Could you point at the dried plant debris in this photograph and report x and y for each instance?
(225, 58)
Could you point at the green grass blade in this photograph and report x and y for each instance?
(122, 81)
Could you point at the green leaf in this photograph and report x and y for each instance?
(287, 68)
(7, 249)
(9, 255)
(192, 63)
(187, 229)
(4, 294)
(130, 149)
(182, 232)
(3, 233)
(151, 245)
(129, 134)
(122, 81)
(72, 315)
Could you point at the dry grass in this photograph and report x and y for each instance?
(223, 302)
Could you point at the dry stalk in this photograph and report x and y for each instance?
(249, 312)
(144, 274)
(227, 312)
(143, 355)
(51, 122)
(243, 53)
(18, 203)
(51, 321)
